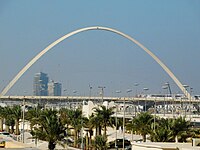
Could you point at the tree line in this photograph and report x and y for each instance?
(65, 126)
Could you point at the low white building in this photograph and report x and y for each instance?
(164, 146)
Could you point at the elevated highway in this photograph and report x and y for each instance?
(133, 105)
(97, 99)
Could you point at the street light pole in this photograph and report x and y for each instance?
(171, 96)
(128, 91)
(90, 92)
(168, 94)
(145, 103)
(190, 102)
(65, 91)
(186, 86)
(23, 112)
(123, 122)
(82, 146)
(154, 118)
(136, 95)
(116, 121)
(136, 85)
(102, 91)
(164, 87)
(116, 127)
(74, 102)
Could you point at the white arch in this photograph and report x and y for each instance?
(168, 71)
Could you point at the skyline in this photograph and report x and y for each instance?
(89, 58)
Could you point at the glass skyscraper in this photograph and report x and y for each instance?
(54, 88)
(40, 84)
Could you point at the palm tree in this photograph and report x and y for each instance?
(76, 121)
(100, 142)
(142, 124)
(194, 133)
(50, 128)
(65, 120)
(63, 112)
(89, 124)
(16, 113)
(179, 126)
(1, 118)
(96, 122)
(104, 116)
(32, 116)
(163, 132)
(10, 122)
(130, 126)
(170, 130)
(7, 114)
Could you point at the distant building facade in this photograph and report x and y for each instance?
(40, 84)
(54, 88)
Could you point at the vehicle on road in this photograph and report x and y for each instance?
(127, 144)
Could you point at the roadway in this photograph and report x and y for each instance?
(98, 98)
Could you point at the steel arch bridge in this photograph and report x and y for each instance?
(39, 55)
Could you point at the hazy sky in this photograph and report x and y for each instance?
(169, 28)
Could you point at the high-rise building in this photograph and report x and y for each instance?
(40, 84)
(54, 88)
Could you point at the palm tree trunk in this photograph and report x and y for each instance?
(176, 139)
(7, 128)
(90, 138)
(12, 129)
(105, 130)
(87, 141)
(17, 127)
(51, 145)
(1, 124)
(98, 130)
(144, 137)
(75, 138)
